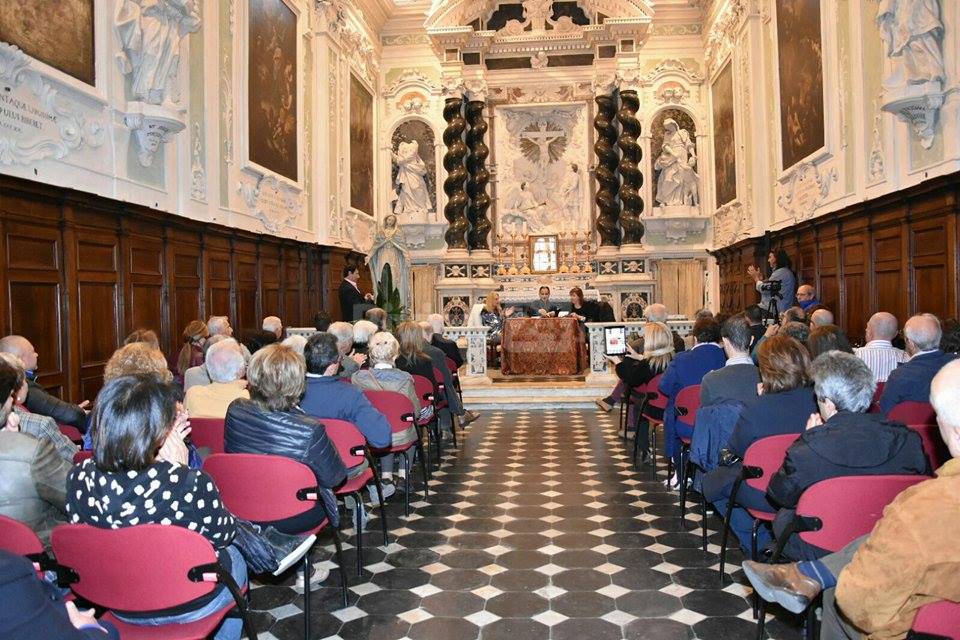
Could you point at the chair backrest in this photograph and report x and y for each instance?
(141, 568)
(767, 454)
(18, 538)
(346, 437)
(939, 619)
(687, 404)
(655, 398)
(80, 456)
(848, 507)
(933, 444)
(395, 406)
(912, 412)
(71, 432)
(438, 376)
(424, 388)
(261, 487)
(207, 432)
(875, 403)
(451, 365)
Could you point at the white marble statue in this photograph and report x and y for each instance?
(678, 184)
(912, 33)
(570, 196)
(150, 32)
(412, 194)
(389, 247)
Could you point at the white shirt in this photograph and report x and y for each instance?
(739, 360)
(881, 357)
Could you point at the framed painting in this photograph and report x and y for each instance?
(800, 48)
(361, 147)
(58, 33)
(272, 87)
(724, 136)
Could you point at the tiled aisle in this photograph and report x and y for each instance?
(537, 528)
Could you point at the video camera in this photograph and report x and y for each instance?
(772, 287)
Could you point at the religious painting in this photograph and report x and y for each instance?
(724, 138)
(56, 32)
(272, 99)
(361, 147)
(801, 79)
(414, 174)
(674, 158)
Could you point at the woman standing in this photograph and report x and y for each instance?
(780, 270)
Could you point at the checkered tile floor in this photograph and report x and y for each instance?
(537, 527)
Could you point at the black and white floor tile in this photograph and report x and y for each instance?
(537, 527)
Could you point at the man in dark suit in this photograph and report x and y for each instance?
(353, 303)
(38, 400)
(911, 380)
(449, 347)
(738, 378)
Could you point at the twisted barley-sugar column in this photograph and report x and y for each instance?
(630, 168)
(479, 177)
(607, 161)
(456, 174)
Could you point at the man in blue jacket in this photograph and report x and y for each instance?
(911, 380)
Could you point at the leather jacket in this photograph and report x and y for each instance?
(292, 434)
(34, 481)
(39, 401)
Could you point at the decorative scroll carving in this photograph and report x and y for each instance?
(456, 174)
(629, 167)
(806, 189)
(606, 167)
(477, 238)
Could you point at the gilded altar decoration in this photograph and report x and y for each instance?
(801, 79)
(56, 32)
(361, 147)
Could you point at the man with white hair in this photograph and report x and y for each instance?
(363, 330)
(38, 400)
(226, 368)
(449, 347)
(220, 326)
(876, 584)
(878, 353)
(274, 325)
(350, 363)
(911, 380)
(821, 318)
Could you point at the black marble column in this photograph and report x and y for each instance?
(457, 200)
(630, 168)
(607, 161)
(479, 177)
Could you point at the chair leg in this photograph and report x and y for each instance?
(383, 512)
(684, 464)
(726, 531)
(453, 428)
(753, 540)
(761, 618)
(343, 571)
(306, 594)
(406, 484)
(653, 445)
(438, 436)
(703, 517)
(359, 530)
(423, 468)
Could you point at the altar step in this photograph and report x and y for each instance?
(509, 396)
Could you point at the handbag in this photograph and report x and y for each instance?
(267, 550)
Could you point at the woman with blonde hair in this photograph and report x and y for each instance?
(493, 316)
(191, 354)
(412, 357)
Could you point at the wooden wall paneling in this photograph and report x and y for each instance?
(247, 284)
(218, 276)
(337, 260)
(889, 250)
(933, 285)
(856, 295)
(145, 291)
(185, 268)
(270, 303)
(294, 285)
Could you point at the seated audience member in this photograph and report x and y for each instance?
(38, 400)
(541, 307)
(793, 314)
(784, 405)
(412, 358)
(271, 423)
(493, 315)
(274, 325)
(35, 608)
(33, 424)
(143, 335)
(33, 474)
(754, 316)
(449, 347)
(322, 321)
(840, 440)
(828, 337)
(686, 369)
(950, 342)
(139, 475)
(198, 375)
(806, 296)
(191, 353)
(911, 380)
(439, 360)
(821, 318)
(220, 326)
(297, 343)
(795, 329)
(875, 585)
(362, 331)
(378, 317)
(257, 339)
(738, 378)
(225, 365)
(880, 356)
(350, 362)
(384, 376)
(638, 369)
(327, 397)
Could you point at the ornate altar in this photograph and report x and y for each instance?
(543, 346)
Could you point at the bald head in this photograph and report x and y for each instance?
(274, 325)
(20, 347)
(923, 333)
(882, 326)
(821, 317)
(805, 293)
(944, 390)
(655, 312)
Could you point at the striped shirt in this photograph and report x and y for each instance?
(881, 357)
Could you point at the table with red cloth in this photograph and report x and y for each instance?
(543, 346)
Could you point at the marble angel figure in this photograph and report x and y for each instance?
(412, 193)
(678, 184)
(389, 247)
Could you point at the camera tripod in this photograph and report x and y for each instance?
(773, 311)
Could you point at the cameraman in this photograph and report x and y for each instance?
(779, 263)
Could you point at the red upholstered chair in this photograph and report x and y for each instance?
(264, 488)
(71, 432)
(911, 412)
(441, 402)
(398, 410)
(145, 568)
(20, 539)
(650, 398)
(207, 432)
(352, 447)
(424, 390)
(80, 456)
(686, 406)
(762, 459)
(875, 403)
(933, 444)
(455, 373)
(937, 619)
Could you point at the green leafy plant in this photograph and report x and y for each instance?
(388, 297)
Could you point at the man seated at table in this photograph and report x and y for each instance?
(541, 307)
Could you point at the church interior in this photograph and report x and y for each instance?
(559, 256)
